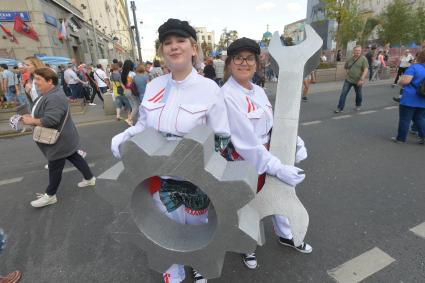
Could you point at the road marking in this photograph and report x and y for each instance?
(419, 230)
(341, 117)
(112, 173)
(11, 181)
(66, 170)
(358, 268)
(311, 123)
(391, 107)
(367, 112)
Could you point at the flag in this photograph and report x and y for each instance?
(8, 33)
(62, 34)
(21, 27)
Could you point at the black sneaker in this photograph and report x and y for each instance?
(303, 248)
(305, 98)
(198, 278)
(394, 139)
(338, 111)
(250, 260)
(396, 99)
(421, 141)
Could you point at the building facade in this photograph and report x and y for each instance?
(95, 29)
(295, 31)
(205, 36)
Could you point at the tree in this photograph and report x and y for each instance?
(370, 25)
(396, 23)
(287, 41)
(226, 38)
(418, 23)
(349, 23)
(206, 48)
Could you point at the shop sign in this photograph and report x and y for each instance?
(50, 20)
(9, 16)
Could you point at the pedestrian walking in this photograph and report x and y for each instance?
(74, 83)
(405, 60)
(370, 56)
(11, 277)
(141, 80)
(412, 105)
(209, 71)
(251, 120)
(356, 68)
(173, 105)
(127, 78)
(51, 111)
(102, 83)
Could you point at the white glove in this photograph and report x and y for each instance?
(301, 153)
(116, 142)
(290, 175)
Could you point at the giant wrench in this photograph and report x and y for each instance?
(278, 198)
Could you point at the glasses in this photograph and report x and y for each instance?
(238, 60)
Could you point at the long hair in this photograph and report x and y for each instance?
(36, 62)
(126, 68)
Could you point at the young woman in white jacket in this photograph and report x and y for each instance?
(174, 104)
(251, 120)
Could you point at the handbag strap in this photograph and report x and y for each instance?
(64, 121)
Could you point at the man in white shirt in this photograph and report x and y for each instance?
(405, 60)
(9, 83)
(73, 81)
(102, 83)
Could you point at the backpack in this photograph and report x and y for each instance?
(420, 89)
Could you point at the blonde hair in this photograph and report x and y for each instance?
(197, 59)
(36, 62)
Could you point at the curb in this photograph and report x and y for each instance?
(12, 134)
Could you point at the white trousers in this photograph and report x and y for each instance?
(281, 226)
(175, 273)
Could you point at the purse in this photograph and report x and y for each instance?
(48, 135)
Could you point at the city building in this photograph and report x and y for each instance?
(87, 30)
(295, 31)
(205, 36)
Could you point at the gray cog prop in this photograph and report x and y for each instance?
(229, 186)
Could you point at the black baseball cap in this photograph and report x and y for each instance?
(176, 27)
(243, 44)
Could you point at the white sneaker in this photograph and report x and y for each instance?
(82, 153)
(250, 260)
(92, 104)
(46, 166)
(198, 278)
(86, 183)
(44, 200)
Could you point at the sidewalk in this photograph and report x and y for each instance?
(92, 114)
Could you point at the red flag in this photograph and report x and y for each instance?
(8, 33)
(21, 27)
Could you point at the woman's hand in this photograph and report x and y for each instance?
(116, 142)
(28, 87)
(27, 119)
(291, 175)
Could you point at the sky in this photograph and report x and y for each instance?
(249, 17)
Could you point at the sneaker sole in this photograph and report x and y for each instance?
(249, 266)
(49, 203)
(295, 248)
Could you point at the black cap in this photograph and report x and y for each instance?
(243, 44)
(176, 27)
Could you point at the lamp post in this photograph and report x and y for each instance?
(139, 51)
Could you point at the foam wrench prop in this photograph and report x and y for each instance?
(276, 197)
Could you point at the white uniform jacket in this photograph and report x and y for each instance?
(251, 119)
(194, 101)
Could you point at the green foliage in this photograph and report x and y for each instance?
(226, 38)
(288, 41)
(346, 14)
(206, 48)
(369, 26)
(397, 23)
(418, 23)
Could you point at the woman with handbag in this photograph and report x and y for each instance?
(55, 134)
(121, 101)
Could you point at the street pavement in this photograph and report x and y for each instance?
(365, 196)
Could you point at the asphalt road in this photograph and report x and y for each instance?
(364, 194)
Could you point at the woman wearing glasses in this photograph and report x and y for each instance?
(174, 104)
(251, 119)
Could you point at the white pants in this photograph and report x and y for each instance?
(281, 226)
(176, 274)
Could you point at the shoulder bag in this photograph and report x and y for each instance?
(48, 135)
